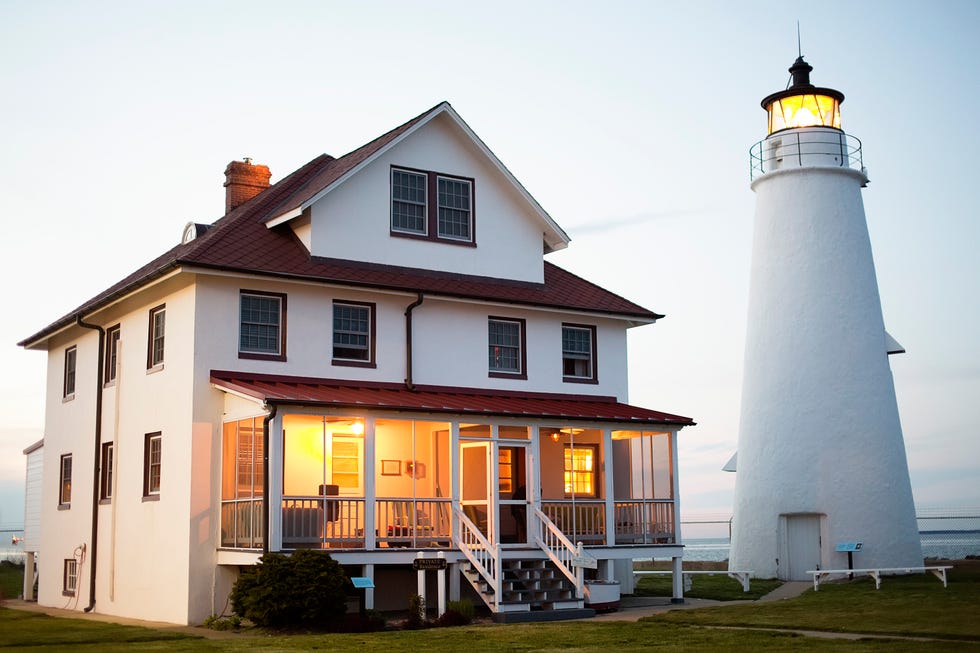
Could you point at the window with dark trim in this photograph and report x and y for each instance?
(154, 350)
(111, 353)
(64, 482)
(414, 193)
(262, 325)
(507, 355)
(578, 353)
(71, 359)
(354, 334)
(152, 465)
(69, 577)
(105, 473)
(580, 470)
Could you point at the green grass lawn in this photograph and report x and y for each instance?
(718, 587)
(915, 605)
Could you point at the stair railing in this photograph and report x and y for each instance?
(562, 552)
(484, 557)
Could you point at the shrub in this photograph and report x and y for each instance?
(371, 621)
(216, 622)
(458, 613)
(307, 588)
(416, 612)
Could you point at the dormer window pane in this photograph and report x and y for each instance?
(454, 209)
(408, 194)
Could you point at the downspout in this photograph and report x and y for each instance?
(98, 452)
(266, 508)
(409, 383)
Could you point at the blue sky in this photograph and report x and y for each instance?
(630, 122)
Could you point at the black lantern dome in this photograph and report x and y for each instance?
(803, 104)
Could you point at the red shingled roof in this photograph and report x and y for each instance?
(435, 399)
(241, 242)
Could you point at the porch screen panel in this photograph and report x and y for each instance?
(663, 482)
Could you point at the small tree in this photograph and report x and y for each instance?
(307, 588)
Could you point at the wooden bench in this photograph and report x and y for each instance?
(741, 576)
(821, 574)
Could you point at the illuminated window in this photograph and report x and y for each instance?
(580, 475)
(64, 483)
(346, 463)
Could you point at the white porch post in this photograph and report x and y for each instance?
(678, 578)
(368, 571)
(607, 458)
(370, 486)
(275, 483)
(534, 489)
(676, 489)
(493, 492)
(454, 480)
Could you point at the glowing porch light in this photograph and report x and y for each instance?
(803, 104)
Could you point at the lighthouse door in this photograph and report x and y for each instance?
(801, 546)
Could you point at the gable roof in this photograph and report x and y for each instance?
(363, 395)
(242, 242)
(554, 236)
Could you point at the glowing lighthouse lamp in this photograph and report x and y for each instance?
(820, 454)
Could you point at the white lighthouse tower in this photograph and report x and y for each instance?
(821, 461)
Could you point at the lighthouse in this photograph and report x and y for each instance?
(821, 464)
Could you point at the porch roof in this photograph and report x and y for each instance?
(291, 390)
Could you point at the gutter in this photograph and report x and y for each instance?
(98, 452)
(266, 508)
(409, 381)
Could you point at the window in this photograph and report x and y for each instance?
(353, 334)
(413, 192)
(580, 470)
(506, 347)
(262, 326)
(111, 353)
(408, 197)
(154, 354)
(105, 473)
(69, 580)
(152, 463)
(71, 356)
(64, 482)
(578, 353)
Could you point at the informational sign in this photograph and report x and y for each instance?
(362, 582)
(849, 546)
(587, 562)
(425, 564)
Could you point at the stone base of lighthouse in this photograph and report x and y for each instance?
(821, 458)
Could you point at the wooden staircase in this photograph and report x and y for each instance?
(532, 589)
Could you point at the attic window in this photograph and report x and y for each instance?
(413, 192)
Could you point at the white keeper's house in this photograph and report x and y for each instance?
(369, 357)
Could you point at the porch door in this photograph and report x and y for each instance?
(512, 480)
(802, 546)
(474, 484)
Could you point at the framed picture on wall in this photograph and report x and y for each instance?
(391, 467)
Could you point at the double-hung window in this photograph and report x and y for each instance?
(578, 353)
(64, 483)
(152, 465)
(69, 577)
(507, 356)
(580, 470)
(262, 325)
(353, 333)
(154, 349)
(111, 354)
(71, 359)
(431, 205)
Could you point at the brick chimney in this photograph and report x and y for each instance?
(243, 181)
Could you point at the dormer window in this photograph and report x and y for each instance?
(413, 192)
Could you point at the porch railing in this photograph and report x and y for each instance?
(638, 521)
(562, 551)
(484, 557)
(241, 523)
(416, 523)
(333, 522)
